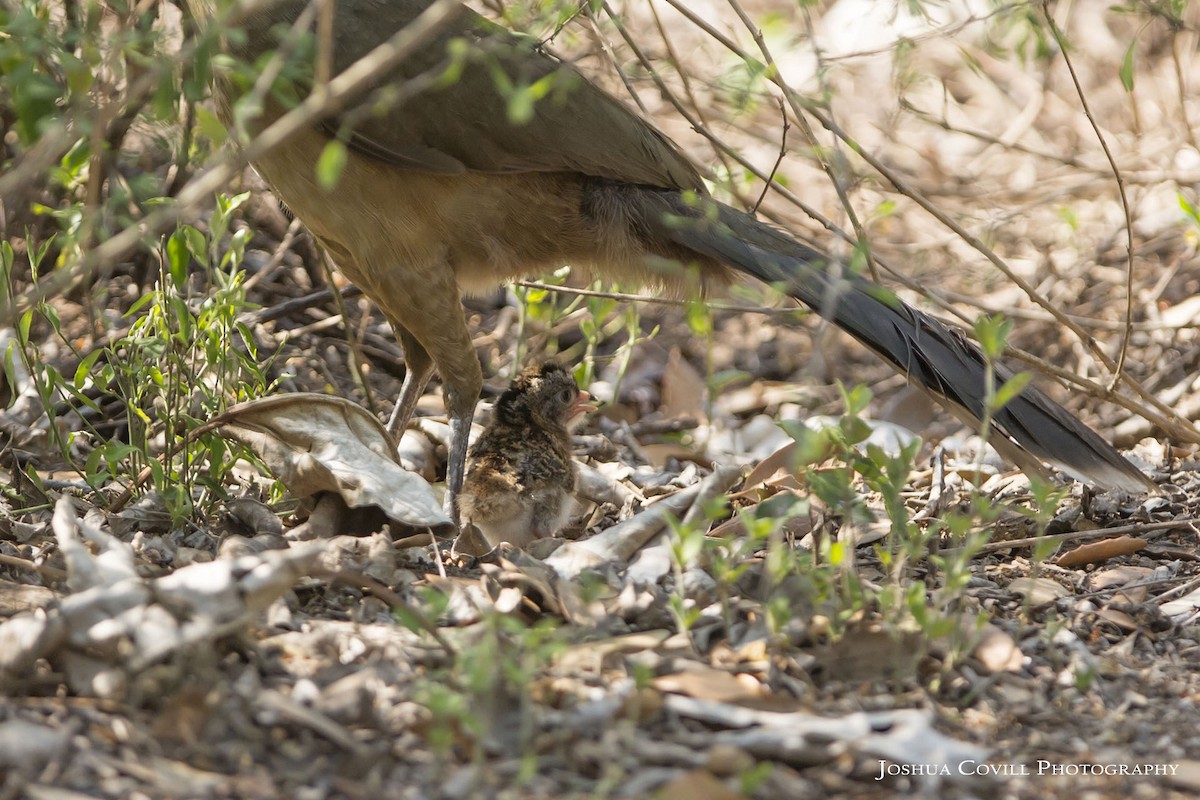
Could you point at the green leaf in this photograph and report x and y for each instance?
(7, 258)
(856, 398)
(811, 446)
(1127, 66)
(211, 126)
(699, 318)
(520, 107)
(34, 97)
(197, 245)
(330, 164)
(178, 259)
(855, 429)
(85, 368)
(1011, 388)
(198, 72)
(79, 74)
(92, 468)
(993, 333)
(23, 326)
(1188, 207)
(51, 314)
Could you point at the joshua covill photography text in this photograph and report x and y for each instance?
(972, 767)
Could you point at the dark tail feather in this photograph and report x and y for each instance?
(1030, 429)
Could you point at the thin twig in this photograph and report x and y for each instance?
(1119, 369)
(357, 359)
(862, 243)
(783, 149)
(53, 573)
(1078, 536)
(311, 300)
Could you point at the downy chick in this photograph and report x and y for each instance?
(520, 474)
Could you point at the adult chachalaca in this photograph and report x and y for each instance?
(471, 165)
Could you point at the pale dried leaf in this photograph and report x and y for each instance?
(316, 443)
(1183, 607)
(1187, 774)
(910, 408)
(697, 784)
(27, 637)
(997, 651)
(597, 487)
(1119, 576)
(1119, 618)
(417, 454)
(660, 454)
(18, 597)
(1185, 312)
(870, 653)
(777, 462)
(592, 656)
(683, 388)
(706, 683)
(113, 563)
(1039, 590)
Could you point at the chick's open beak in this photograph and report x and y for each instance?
(577, 409)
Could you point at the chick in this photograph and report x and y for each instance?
(520, 474)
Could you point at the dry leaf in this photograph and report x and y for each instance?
(593, 656)
(1119, 576)
(1119, 618)
(903, 736)
(779, 461)
(314, 443)
(683, 388)
(697, 785)
(417, 454)
(1038, 590)
(659, 454)
(26, 745)
(910, 408)
(1183, 607)
(1094, 552)
(1186, 774)
(1181, 314)
(17, 597)
(778, 506)
(707, 683)
(997, 652)
(869, 653)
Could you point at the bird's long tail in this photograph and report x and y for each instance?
(1030, 429)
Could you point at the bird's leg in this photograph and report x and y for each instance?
(460, 431)
(462, 380)
(418, 368)
(427, 315)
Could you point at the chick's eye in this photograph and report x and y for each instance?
(566, 395)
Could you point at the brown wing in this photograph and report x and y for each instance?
(464, 123)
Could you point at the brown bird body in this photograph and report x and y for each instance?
(445, 192)
(520, 473)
